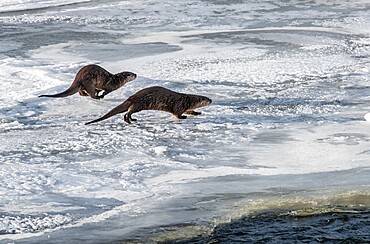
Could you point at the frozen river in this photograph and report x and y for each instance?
(285, 133)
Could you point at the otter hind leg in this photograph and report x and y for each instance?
(127, 117)
(83, 93)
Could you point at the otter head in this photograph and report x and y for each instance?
(126, 76)
(202, 101)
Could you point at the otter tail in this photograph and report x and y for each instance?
(70, 91)
(117, 110)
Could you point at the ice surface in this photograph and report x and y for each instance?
(289, 83)
(367, 117)
(22, 5)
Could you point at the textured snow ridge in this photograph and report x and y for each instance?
(30, 224)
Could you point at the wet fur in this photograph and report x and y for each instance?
(158, 98)
(92, 79)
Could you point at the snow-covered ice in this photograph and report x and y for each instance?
(289, 83)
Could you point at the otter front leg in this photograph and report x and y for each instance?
(91, 91)
(192, 112)
(180, 116)
(105, 92)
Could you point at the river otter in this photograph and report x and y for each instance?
(158, 98)
(92, 79)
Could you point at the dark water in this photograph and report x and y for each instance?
(269, 227)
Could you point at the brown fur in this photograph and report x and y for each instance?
(92, 79)
(158, 98)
